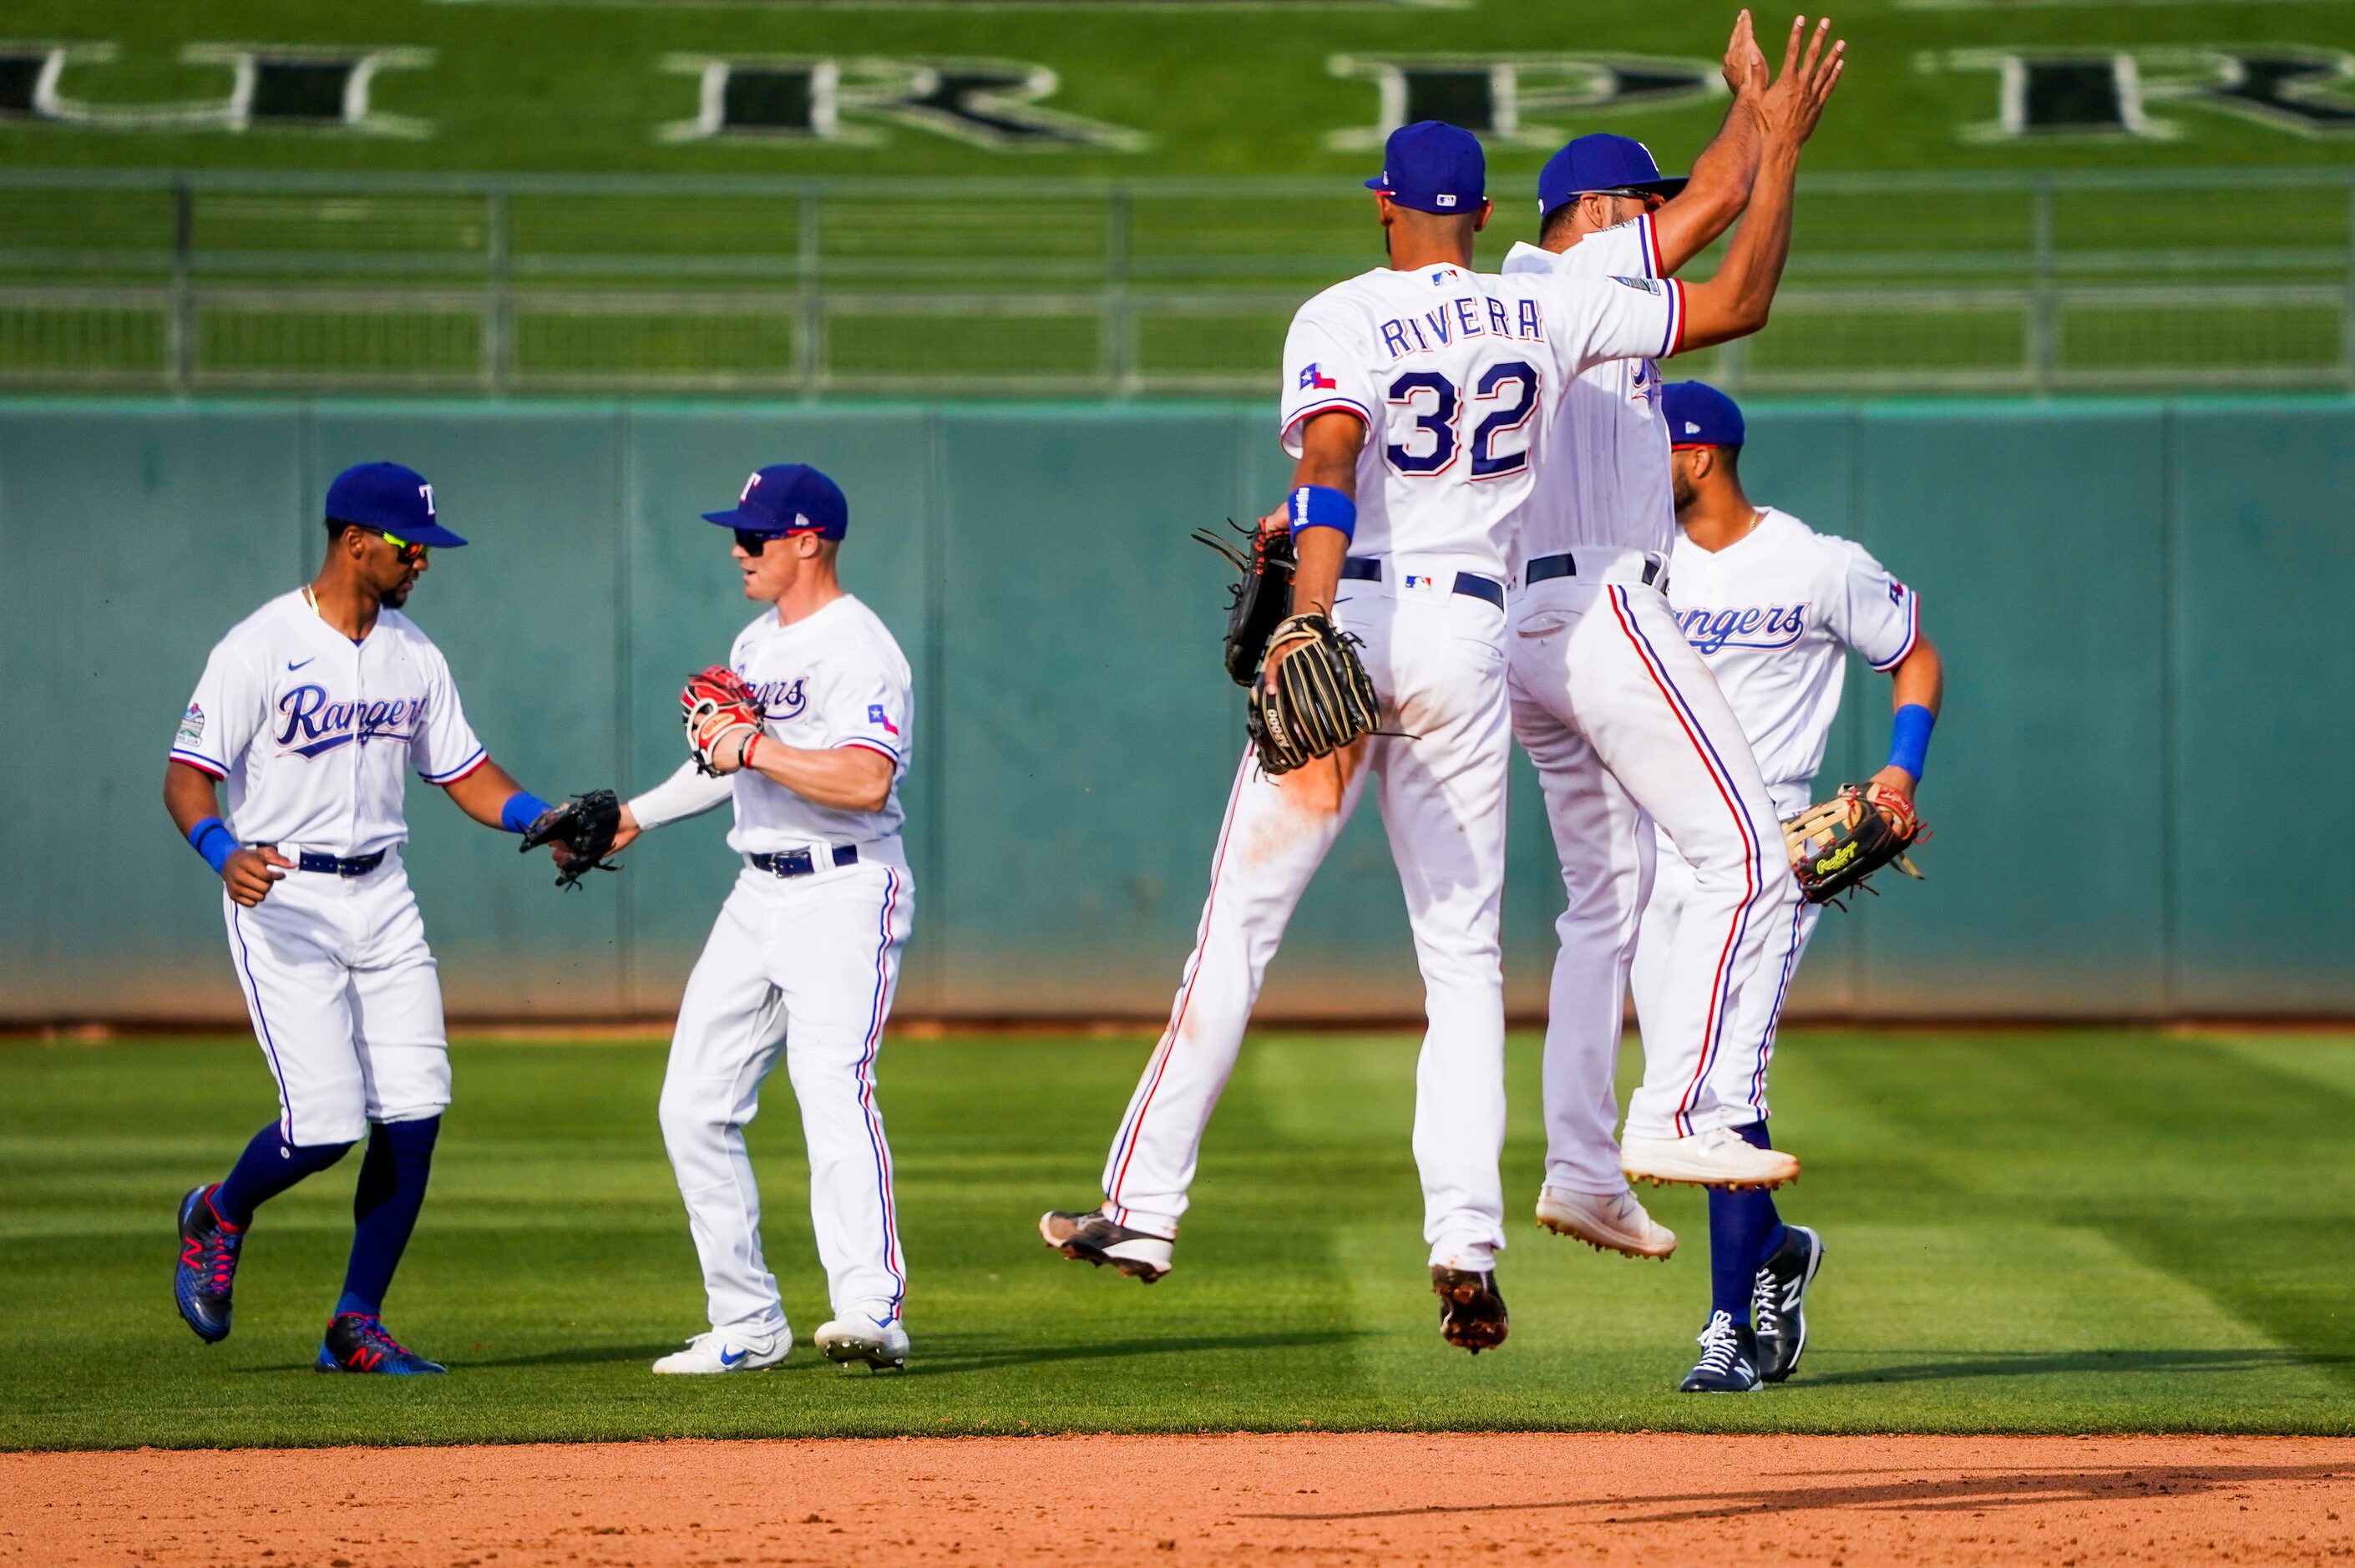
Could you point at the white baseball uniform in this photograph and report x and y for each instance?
(804, 959)
(316, 733)
(1451, 371)
(1774, 615)
(1627, 728)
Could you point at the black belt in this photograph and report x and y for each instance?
(1472, 585)
(1545, 568)
(801, 861)
(332, 865)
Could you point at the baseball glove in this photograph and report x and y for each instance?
(585, 826)
(1322, 700)
(723, 718)
(1836, 845)
(1258, 603)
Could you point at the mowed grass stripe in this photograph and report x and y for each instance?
(2078, 1231)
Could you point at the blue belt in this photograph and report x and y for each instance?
(331, 865)
(1471, 585)
(1545, 568)
(801, 861)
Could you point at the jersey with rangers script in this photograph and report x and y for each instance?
(1774, 613)
(833, 678)
(1608, 486)
(316, 733)
(1454, 372)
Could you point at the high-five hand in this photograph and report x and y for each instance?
(1789, 108)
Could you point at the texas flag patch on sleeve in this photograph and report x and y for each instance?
(875, 714)
(1313, 379)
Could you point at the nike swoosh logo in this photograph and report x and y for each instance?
(293, 665)
(727, 1360)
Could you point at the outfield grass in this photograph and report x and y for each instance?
(2074, 1232)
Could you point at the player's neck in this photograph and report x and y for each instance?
(1562, 237)
(344, 603)
(1723, 518)
(811, 592)
(1413, 253)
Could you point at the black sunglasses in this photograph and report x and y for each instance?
(753, 543)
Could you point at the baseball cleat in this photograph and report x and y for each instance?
(1778, 1301)
(1607, 1223)
(207, 1272)
(1718, 1158)
(1471, 1309)
(1728, 1360)
(360, 1342)
(859, 1338)
(728, 1351)
(1092, 1236)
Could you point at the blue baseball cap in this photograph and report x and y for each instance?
(1699, 415)
(788, 498)
(1432, 166)
(1601, 163)
(390, 499)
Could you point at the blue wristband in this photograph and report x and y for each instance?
(1909, 737)
(1322, 506)
(522, 810)
(212, 840)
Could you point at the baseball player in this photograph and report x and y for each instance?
(1622, 719)
(314, 708)
(805, 953)
(1411, 394)
(1771, 607)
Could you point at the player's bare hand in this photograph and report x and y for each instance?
(1892, 780)
(1745, 62)
(249, 872)
(1789, 110)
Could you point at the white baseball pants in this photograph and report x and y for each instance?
(1624, 721)
(1737, 1079)
(345, 1002)
(1435, 659)
(805, 965)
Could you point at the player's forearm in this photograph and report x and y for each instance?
(843, 777)
(1720, 188)
(484, 795)
(1920, 679)
(189, 795)
(690, 792)
(1328, 459)
(1737, 301)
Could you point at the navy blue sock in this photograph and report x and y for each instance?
(268, 1167)
(384, 1208)
(1742, 1229)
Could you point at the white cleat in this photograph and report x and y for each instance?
(1610, 1222)
(1718, 1158)
(859, 1338)
(732, 1350)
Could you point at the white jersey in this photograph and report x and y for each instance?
(316, 733)
(831, 679)
(1454, 372)
(1774, 614)
(1603, 460)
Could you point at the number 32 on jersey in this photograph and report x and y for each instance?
(1429, 411)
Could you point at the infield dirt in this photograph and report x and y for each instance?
(1380, 1496)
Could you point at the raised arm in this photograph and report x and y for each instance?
(1721, 176)
(1737, 301)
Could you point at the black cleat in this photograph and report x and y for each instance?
(1471, 1309)
(1091, 1236)
(1728, 1360)
(1778, 1301)
(207, 1272)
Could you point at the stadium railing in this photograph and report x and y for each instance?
(2028, 283)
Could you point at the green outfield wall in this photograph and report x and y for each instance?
(2144, 606)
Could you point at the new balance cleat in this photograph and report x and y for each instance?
(360, 1342)
(1093, 1236)
(861, 1338)
(729, 1351)
(1471, 1309)
(1612, 1223)
(207, 1272)
(1728, 1360)
(1778, 1301)
(1718, 1158)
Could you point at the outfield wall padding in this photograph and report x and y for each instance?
(2142, 605)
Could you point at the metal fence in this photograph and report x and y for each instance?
(1934, 284)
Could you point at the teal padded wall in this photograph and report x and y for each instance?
(2140, 603)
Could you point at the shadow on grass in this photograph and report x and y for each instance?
(1914, 1493)
(955, 1362)
(2027, 1363)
